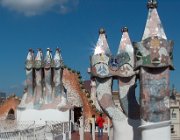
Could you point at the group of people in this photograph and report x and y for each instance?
(99, 121)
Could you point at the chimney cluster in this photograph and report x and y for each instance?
(44, 76)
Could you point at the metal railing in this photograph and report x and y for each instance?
(32, 131)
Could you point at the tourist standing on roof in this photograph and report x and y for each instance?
(100, 121)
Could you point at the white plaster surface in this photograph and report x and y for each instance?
(41, 116)
(122, 130)
(156, 131)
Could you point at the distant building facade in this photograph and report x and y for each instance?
(175, 115)
(2, 97)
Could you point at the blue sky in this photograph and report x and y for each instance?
(73, 26)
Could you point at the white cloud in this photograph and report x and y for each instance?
(37, 7)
